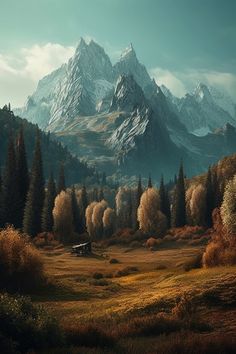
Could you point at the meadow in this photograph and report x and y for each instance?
(125, 292)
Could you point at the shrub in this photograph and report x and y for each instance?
(97, 275)
(113, 261)
(126, 271)
(222, 248)
(185, 308)
(149, 325)
(26, 325)
(88, 336)
(21, 266)
(100, 282)
(193, 263)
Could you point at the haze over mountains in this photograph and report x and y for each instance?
(120, 120)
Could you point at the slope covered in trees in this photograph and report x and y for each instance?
(53, 153)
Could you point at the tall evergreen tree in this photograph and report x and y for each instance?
(179, 207)
(130, 210)
(22, 177)
(84, 204)
(1, 205)
(209, 199)
(104, 179)
(75, 211)
(10, 196)
(50, 195)
(35, 196)
(95, 195)
(100, 195)
(164, 201)
(61, 185)
(149, 181)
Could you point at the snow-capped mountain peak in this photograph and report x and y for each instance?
(202, 92)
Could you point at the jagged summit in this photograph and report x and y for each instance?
(128, 52)
(128, 94)
(202, 92)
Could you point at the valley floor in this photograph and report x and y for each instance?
(140, 283)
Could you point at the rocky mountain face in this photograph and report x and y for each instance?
(204, 110)
(117, 118)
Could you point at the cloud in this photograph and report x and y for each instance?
(19, 74)
(180, 82)
(170, 80)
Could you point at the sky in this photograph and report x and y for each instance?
(181, 42)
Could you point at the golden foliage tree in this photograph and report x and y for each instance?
(150, 218)
(63, 217)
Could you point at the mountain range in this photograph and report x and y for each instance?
(120, 120)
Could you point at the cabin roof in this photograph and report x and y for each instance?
(81, 245)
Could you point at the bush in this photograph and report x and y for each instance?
(185, 308)
(126, 271)
(100, 282)
(193, 263)
(222, 248)
(97, 275)
(88, 336)
(113, 261)
(21, 266)
(26, 326)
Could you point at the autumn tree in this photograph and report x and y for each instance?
(139, 192)
(197, 204)
(151, 219)
(123, 207)
(228, 208)
(35, 197)
(97, 218)
(108, 220)
(63, 218)
(88, 216)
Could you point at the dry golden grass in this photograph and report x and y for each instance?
(78, 299)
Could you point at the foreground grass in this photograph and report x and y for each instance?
(153, 284)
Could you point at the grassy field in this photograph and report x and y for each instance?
(140, 283)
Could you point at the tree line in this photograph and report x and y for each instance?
(25, 201)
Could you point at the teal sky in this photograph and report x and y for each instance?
(176, 38)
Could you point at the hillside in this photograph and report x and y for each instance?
(54, 154)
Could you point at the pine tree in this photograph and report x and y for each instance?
(100, 195)
(162, 194)
(35, 197)
(61, 185)
(164, 201)
(10, 196)
(209, 199)
(130, 210)
(104, 179)
(179, 208)
(1, 206)
(95, 195)
(50, 195)
(22, 177)
(149, 181)
(84, 204)
(75, 211)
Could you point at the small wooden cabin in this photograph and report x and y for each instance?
(82, 249)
